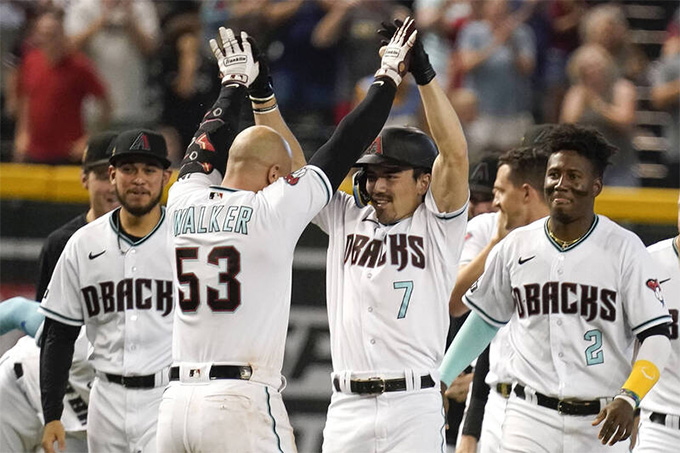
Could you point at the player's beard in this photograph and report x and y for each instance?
(138, 211)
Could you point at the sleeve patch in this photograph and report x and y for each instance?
(293, 178)
(653, 284)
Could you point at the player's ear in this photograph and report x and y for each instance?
(112, 174)
(83, 179)
(274, 173)
(423, 183)
(597, 186)
(166, 176)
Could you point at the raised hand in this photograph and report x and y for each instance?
(235, 58)
(261, 90)
(395, 59)
(420, 65)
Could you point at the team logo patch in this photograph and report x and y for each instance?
(376, 146)
(294, 177)
(653, 284)
(141, 143)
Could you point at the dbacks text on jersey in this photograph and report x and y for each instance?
(128, 294)
(567, 298)
(363, 251)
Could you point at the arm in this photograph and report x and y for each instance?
(450, 171)
(620, 113)
(618, 416)
(473, 338)
(666, 95)
(80, 40)
(472, 427)
(329, 29)
(56, 355)
(145, 41)
(358, 129)
(20, 313)
(21, 135)
(573, 105)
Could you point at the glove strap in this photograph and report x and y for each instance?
(389, 73)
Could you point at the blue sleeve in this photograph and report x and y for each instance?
(20, 313)
(472, 339)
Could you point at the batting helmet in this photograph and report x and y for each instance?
(401, 146)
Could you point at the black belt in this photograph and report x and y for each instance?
(376, 385)
(133, 382)
(504, 389)
(218, 372)
(563, 407)
(656, 417)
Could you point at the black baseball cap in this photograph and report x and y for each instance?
(98, 150)
(140, 143)
(536, 134)
(401, 146)
(483, 176)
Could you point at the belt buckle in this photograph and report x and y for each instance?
(245, 372)
(559, 408)
(123, 381)
(381, 385)
(505, 390)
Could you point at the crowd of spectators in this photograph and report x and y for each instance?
(74, 67)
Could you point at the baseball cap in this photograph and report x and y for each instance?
(483, 176)
(98, 150)
(401, 146)
(140, 143)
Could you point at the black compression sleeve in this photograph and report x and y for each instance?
(663, 329)
(355, 133)
(56, 355)
(480, 394)
(210, 146)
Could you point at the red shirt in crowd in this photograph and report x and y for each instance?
(55, 94)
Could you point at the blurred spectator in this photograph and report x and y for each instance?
(563, 17)
(433, 20)
(497, 55)
(353, 24)
(600, 98)
(666, 97)
(119, 36)
(303, 94)
(53, 82)
(186, 75)
(607, 26)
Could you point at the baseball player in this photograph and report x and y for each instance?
(518, 195)
(230, 232)
(575, 290)
(95, 179)
(21, 420)
(390, 269)
(114, 278)
(659, 430)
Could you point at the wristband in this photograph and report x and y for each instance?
(263, 110)
(641, 379)
(630, 397)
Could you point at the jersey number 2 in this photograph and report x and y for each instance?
(190, 302)
(594, 354)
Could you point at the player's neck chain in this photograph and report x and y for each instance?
(560, 242)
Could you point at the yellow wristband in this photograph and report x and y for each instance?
(642, 378)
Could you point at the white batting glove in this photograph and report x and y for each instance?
(396, 57)
(235, 58)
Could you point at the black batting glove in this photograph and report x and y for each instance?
(420, 65)
(262, 89)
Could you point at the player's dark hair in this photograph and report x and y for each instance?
(586, 141)
(417, 171)
(527, 165)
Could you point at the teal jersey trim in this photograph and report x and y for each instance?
(126, 239)
(559, 248)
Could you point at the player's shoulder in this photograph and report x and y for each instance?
(59, 237)
(663, 246)
(92, 231)
(483, 221)
(615, 233)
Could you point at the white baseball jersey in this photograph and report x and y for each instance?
(233, 260)
(388, 286)
(577, 309)
(480, 230)
(121, 291)
(664, 396)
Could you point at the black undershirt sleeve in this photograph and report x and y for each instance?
(355, 133)
(480, 394)
(56, 355)
(663, 329)
(209, 148)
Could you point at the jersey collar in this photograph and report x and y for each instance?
(116, 228)
(596, 220)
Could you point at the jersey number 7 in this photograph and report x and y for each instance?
(190, 302)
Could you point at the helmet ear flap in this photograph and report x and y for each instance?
(361, 197)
